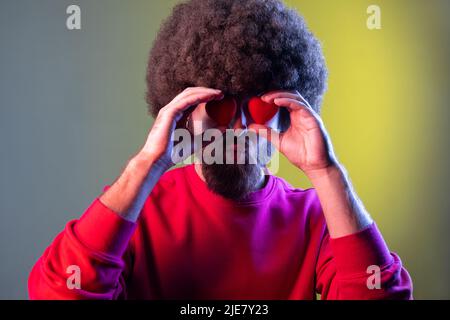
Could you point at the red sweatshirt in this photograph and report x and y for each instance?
(191, 243)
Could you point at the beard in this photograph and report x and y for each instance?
(232, 181)
(236, 180)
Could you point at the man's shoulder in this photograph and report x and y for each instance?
(290, 190)
(172, 178)
(174, 174)
(169, 191)
(168, 180)
(305, 198)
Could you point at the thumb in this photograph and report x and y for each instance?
(268, 133)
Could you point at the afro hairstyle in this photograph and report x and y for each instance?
(237, 46)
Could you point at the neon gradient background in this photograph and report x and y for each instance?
(73, 111)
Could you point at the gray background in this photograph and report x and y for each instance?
(72, 112)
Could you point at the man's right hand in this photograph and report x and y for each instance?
(159, 146)
(128, 193)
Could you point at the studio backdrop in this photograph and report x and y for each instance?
(72, 112)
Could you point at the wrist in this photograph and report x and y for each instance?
(144, 163)
(343, 210)
(327, 172)
(127, 195)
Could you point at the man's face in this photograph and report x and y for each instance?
(243, 159)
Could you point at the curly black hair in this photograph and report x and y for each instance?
(238, 46)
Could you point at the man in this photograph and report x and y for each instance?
(228, 230)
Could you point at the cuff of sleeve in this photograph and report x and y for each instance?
(354, 253)
(103, 230)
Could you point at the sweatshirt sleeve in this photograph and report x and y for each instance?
(94, 250)
(360, 266)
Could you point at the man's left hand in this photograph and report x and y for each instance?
(306, 143)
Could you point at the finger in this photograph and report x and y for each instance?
(270, 96)
(268, 133)
(304, 100)
(290, 104)
(193, 90)
(195, 99)
(293, 105)
(187, 111)
(291, 94)
(309, 114)
(177, 108)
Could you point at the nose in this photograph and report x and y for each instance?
(240, 120)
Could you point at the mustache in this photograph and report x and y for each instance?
(229, 137)
(216, 146)
(231, 147)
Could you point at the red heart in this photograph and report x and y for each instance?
(261, 111)
(221, 111)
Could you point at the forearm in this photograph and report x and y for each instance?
(343, 210)
(129, 192)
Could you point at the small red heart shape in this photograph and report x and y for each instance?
(221, 111)
(261, 111)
